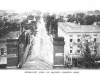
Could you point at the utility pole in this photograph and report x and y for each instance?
(20, 28)
(71, 59)
(50, 28)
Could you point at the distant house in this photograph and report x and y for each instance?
(73, 33)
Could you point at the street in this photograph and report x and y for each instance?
(41, 56)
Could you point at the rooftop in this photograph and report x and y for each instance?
(10, 35)
(75, 28)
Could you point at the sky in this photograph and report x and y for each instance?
(50, 5)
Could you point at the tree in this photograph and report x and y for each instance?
(83, 19)
(89, 51)
(51, 22)
(98, 18)
(71, 18)
(80, 18)
(90, 19)
(69, 15)
(90, 12)
(1, 23)
(97, 12)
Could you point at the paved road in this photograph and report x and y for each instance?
(42, 50)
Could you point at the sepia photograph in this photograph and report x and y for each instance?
(50, 35)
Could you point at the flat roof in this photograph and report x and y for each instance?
(75, 28)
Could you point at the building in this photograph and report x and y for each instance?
(3, 47)
(73, 34)
(12, 48)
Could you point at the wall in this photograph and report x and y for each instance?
(75, 37)
(67, 38)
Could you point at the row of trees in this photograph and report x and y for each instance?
(30, 23)
(88, 18)
(51, 23)
(7, 19)
(83, 19)
(4, 23)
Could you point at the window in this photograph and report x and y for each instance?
(91, 47)
(78, 35)
(71, 47)
(95, 39)
(87, 41)
(69, 59)
(70, 40)
(78, 51)
(95, 50)
(78, 40)
(70, 51)
(2, 51)
(71, 35)
(95, 34)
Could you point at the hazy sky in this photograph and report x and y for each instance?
(50, 5)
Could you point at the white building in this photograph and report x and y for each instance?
(73, 33)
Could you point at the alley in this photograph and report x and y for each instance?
(41, 56)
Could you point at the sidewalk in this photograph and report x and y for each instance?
(26, 53)
(36, 64)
